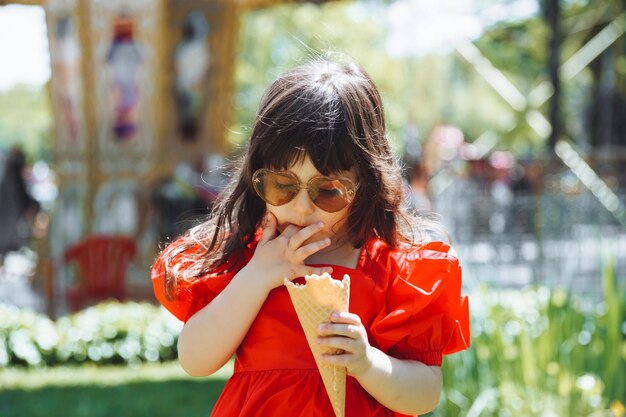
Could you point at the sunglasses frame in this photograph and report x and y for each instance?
(351, 187)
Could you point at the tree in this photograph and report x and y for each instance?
(25, 119)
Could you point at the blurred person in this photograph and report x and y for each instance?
(523, 175)
(17, 207)
(501, 163)
(418, 190)
(177, 201)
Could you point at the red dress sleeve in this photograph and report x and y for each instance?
(425, 316)
(190, 295)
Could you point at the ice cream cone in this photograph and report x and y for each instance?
(314, 303)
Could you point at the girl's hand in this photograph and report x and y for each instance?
(346, 336)
(282, 256)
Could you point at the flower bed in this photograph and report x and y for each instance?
(109, 333)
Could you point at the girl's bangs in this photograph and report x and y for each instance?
(328, 145)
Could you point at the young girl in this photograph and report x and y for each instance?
(318, 191)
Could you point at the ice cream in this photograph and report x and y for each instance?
(314, 303)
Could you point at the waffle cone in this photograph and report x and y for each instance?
(314, 303)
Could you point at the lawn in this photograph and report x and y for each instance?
(149, 390)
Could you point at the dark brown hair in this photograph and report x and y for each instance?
(334, 114)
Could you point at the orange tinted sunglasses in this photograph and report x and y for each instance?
(277, 188)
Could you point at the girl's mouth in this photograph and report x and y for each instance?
(281, 227)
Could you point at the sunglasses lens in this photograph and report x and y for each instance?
(275, 188)
(331, 195)
(279, 188)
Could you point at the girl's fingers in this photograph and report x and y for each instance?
(289, 231)
(297, 239)
(351, 331)
(308, 250)
(269, 228)
(343, 359)
(317, 271)
(343, 343)
(345, 317)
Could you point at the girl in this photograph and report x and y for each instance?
(317, 191)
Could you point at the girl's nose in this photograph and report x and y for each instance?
(302, 202)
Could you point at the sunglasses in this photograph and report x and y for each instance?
(277, 188)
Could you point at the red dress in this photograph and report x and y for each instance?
(410, 302)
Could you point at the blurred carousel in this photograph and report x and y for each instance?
(137, 89)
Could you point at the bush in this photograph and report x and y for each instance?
(541, 352)
(109, 333)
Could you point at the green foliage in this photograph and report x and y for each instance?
(519, 49)
(109, 333)
(423, 91)
(25, 119)
(433, 89)
(540, 352)
(275, 39)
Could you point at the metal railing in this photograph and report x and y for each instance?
(553, 239)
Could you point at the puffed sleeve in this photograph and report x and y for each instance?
(425, 316)
(189, 296)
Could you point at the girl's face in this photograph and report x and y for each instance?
(301, 211)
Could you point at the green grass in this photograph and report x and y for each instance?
(149, 390)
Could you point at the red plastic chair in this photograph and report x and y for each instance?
(101, 265)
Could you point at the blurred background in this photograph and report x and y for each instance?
(118, 121)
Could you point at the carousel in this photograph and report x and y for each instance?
(137, 89)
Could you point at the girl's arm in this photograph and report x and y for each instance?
(211, 336)
(404, 386)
